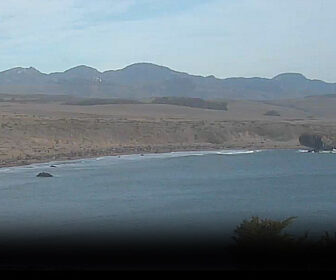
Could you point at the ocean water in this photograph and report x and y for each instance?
(189, 192)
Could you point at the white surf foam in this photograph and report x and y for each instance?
(321, 152)
(114, 159)
(188, 153)
(237, 152)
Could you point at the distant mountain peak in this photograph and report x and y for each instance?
(144, 79)
(22, 71)
(210, 77)
(146, 65)
(290, 76)
(82, 69)
(32, 69)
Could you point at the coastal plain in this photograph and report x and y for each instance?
(42, 130)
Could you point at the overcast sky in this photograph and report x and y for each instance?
(221, 37)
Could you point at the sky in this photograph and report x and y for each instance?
(225, 38)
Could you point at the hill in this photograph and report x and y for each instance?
(146, 80)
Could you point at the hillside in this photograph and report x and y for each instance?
(145, 80)
(38, 128)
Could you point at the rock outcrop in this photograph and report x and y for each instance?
(316, 142)
(44, 175)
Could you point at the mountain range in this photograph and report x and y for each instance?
(146, 80)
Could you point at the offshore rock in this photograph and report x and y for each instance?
(44, 175)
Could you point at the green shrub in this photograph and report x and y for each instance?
(262, 229)
(272, 113)
(264, 244)
(257, 233)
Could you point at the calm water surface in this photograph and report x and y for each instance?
(193, 192)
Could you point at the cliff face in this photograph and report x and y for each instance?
(316, 142)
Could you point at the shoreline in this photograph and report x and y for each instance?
(45, 132)
(134, 150)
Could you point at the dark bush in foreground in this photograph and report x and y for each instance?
(263, 232)
(263, 244)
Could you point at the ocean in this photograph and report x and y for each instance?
(192, 193)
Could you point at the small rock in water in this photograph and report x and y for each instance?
(44, 174)
(52, 165)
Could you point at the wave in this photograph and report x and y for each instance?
(237, 152)
(328, 152)
(320, 152)
(5, 170)
(190, 153)
(116, 158)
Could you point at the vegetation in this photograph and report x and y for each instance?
(191, 102)
(179, 101)
(101, 101)
(263, 232)
(272, 113)
(263, 243)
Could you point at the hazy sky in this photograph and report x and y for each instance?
(221, 37)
